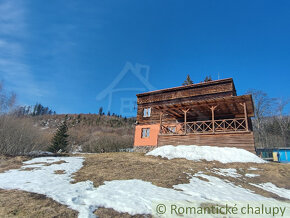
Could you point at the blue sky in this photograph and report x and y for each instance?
(63, 54)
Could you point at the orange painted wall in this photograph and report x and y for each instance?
(153, 136)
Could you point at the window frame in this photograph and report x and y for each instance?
(147, 133)
(147, 112)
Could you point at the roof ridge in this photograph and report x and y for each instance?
(185, 87)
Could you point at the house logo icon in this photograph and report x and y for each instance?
(127, 104)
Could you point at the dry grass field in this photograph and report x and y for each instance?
(16, 203)
(166, 173)
(123, 166)
(7, 163)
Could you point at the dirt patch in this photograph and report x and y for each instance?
(8, 163)
(167, 173)
(48, 164)
(278, 174)
(14, 203)
(201, 178)
(59, 172)
(108, 212)
(29, 168)
(123, 166)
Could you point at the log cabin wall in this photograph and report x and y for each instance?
(238, 140)
(223, 87)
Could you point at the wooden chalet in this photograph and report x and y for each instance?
(207, 113)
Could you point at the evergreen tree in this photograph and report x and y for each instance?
(188, 81)
(59, 140)
(38, 109)
(34, 110)
(101, 111)
(207, 79)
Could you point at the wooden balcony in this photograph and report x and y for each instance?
(208, 126)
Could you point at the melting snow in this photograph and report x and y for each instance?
(270, 187)
(251, 175)
(253, 168)
(131, 196)
(216, 189)
(226, 172)
(209, 153)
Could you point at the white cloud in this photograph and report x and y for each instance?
(12, 17)
(13, 31)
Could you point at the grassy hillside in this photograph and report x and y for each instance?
(87, 132)
(91, 132)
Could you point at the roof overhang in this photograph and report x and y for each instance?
(231, 105)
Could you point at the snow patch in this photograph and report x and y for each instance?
(39, 153)
(270, 187)
(216, 189)
(131, 196)
(253, 168)
(251, 175)
(209, 153)
(226, 172)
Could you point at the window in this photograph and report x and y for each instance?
(147, 112)
(145, 132)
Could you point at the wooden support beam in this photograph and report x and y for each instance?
(185, 119)
(212, 108)
(246, 114)
(174, 112)
(161, 114)
(185, 110)
(158, 108)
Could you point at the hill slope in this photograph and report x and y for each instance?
(90, 132)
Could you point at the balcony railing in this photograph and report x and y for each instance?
(209, 126)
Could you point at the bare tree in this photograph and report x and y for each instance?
(7, 101)
(263, 108)
(263, 105)
(17, 136)
(283, 119)
(271, 123)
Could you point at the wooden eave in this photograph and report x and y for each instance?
(230, 105)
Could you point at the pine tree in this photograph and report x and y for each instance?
(101, 111)
(207, 79)
(188, 81)
(59, 140)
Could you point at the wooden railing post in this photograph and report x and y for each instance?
(212, 117)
